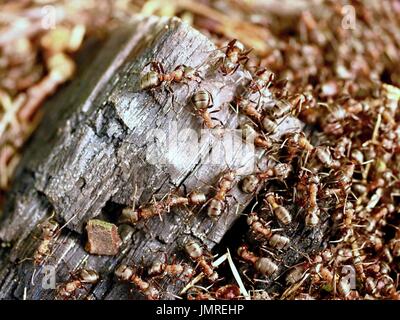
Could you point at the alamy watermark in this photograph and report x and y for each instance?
(49, 17)
(178, 146)
(349, 20)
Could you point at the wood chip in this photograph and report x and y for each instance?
(103, 238)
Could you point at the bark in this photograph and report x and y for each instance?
(101, 138)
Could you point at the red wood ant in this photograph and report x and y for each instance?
(133, 216)
(129, 274)
(296, 141)
(157, 76)
(260, 228)
(280, 212)
(259, 140)
(217, 203)
(50, 231)
(235, 55)
(202, 100)
(262, 264)
(195, 251)
(183, 271)
(251, 183)
(262, 80)
(79, 279)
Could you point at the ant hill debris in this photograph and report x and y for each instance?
(103, 238)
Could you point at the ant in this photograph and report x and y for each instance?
(324, 156)
(129, 274)
(280, 212)
(195, 251)
(296, 141)
(308, 186)
(79, 279)
(258, 226)
(259, 140)
(263, 265)
(280, 109)
(159, 268)
(247, 107)
(157, 76)
(342, 179)
(218, 202)
(251, 183)
(201, 101)
(262, 80)
(195, 293)
(235, 55)
(227, 292)
(50, 231)
(313, 211)
(133, 216)
(261, 119)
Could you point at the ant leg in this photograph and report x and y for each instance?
(184, 188)
(244, 59)
(246, 53)
(258, 100)
(211, 98)
(218, 120)
(205, 205)
(235, 109)
(148, 64)
(157, 67)
(171, 92)
(231, 43)
(234, 70)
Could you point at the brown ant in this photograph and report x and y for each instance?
(183, 271)
(50, 231)
(196, 293)
(280, 109)
(280, 211)
(129, 274)
(296, 141)
(218, 202)
(262, 80)
(259, 140)
(309, 185)
(157, 76)
(251, 183)
(258, 226)
(248, 108)
(228, 292)
(201, 101)
(313, 211)
(133, 216)
(261, 119)
(79, 279)
(324, 156)
(263, 265)
(235, 55)
(343, 180)
(195, 251)
(357, 258)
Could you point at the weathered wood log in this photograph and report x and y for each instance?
(103, 137)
